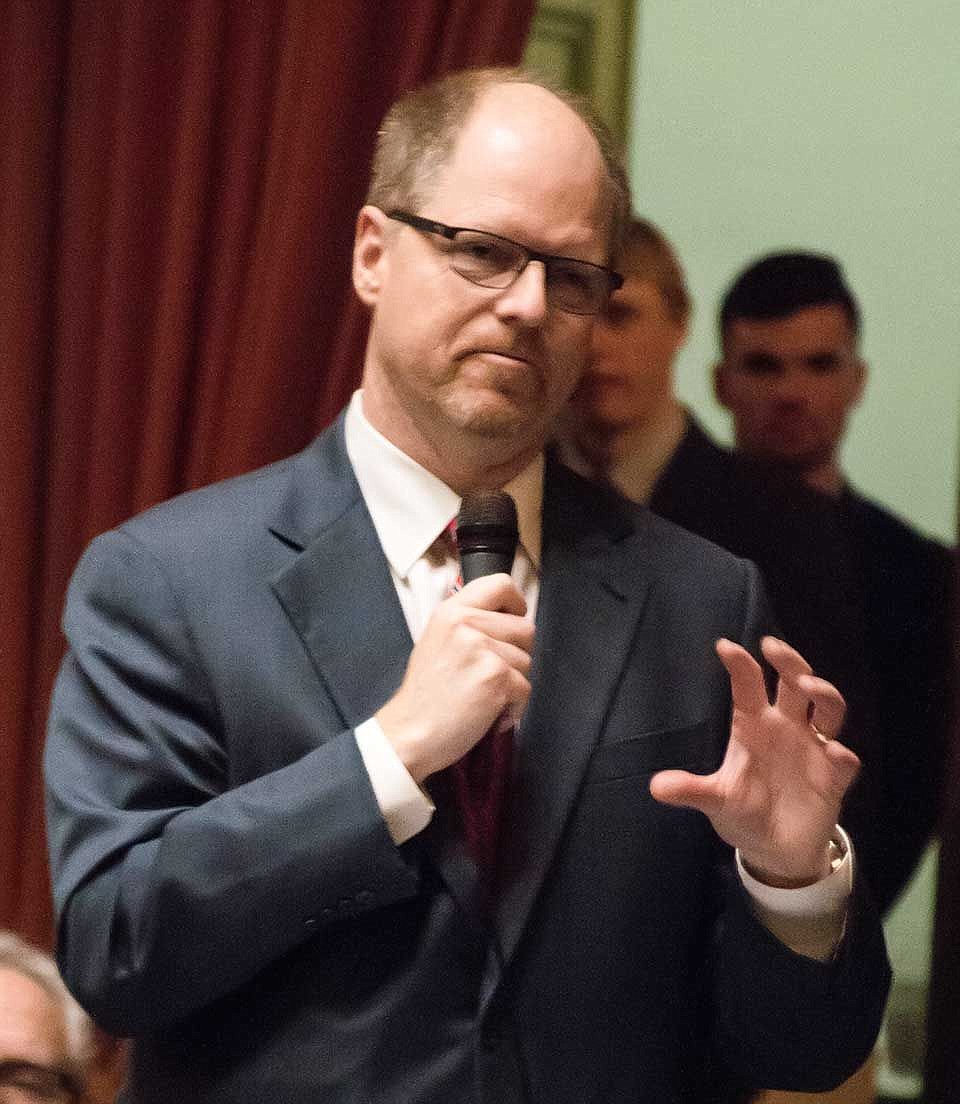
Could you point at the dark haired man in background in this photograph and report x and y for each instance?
(864, 596)
(790, 374)
(791, 370)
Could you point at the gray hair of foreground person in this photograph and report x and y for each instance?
(21, 957)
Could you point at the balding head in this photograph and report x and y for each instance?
(419, 133)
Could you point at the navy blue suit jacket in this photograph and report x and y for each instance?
(227, 891)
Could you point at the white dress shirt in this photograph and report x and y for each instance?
(410, 508)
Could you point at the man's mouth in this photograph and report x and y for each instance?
(506, 357)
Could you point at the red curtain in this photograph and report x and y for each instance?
(178, 184)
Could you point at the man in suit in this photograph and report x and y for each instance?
(258, 740)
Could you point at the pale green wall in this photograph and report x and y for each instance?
(825, 124)
(830, 125)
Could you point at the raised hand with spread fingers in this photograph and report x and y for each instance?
(777, 794)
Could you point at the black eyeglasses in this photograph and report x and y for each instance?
(489, 260)
(39, 1083)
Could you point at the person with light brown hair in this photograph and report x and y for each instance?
(625, 420)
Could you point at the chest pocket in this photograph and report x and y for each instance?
(693, 748)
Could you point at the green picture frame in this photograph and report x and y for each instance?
(587, 46)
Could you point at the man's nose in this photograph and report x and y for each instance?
(791, 384)
(603, 346)
(526, 298)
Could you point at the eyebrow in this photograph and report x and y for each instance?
(760, 358)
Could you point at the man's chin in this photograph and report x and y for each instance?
(500, 415)
(797, 461)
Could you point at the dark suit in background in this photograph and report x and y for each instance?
(942, 1069)
(228, 892)
(868, 601)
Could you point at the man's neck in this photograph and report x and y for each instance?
(465, 462)
(664, 421)
(603, 443)
(632, 457)
(826, 478)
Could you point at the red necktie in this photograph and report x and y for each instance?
(479, 780)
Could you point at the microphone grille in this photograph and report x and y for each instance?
(487, 509)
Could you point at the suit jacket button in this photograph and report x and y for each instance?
(364, 897)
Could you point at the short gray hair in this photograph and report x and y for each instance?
(31, 962)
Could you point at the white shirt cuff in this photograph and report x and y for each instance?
(406, 808)
(810, 920)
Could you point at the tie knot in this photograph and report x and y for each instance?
(444, 548)
(449, 534)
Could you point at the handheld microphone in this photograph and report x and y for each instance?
(487, 534)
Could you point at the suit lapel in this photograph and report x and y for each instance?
(338, 592)
(591, 599)
(340, 598)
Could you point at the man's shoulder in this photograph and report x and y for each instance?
(897, 549)
(575, 504)
(887, 524)
(290, 497)
(751, 510)
(704, 476)
(229, 499)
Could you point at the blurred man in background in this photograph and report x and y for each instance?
(848, 581)
(791, 374)
(625, 422)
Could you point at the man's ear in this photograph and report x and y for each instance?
(369, 254)
(861, 381)
(683, 332)
(720, 384)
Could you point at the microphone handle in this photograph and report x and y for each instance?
(476, 563)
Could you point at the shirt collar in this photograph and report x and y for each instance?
(410, 506)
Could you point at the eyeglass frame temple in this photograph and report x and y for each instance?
(614, 279)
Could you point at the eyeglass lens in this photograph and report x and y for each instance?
(494, 262)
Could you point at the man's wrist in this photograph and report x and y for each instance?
(405, 805)
(832, 856)
(809, 920)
